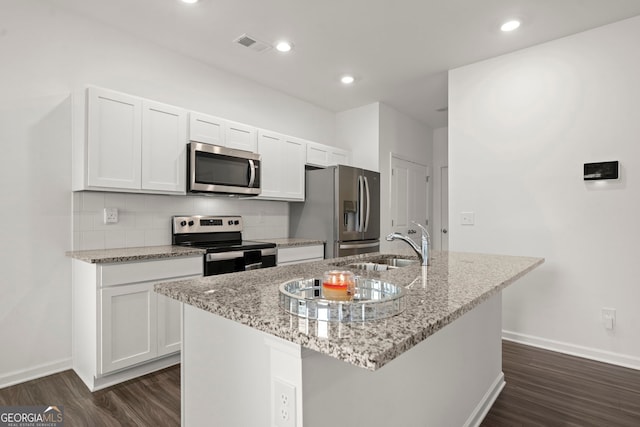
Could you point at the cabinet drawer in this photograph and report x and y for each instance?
(300, 254)
(134, 272)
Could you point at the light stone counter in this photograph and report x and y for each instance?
(454, 284)
(133, 254)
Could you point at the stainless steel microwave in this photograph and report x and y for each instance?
(221, 170)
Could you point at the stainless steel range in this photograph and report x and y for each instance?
(221, 237)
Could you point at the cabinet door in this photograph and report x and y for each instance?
(292, 168)
(269, 147)
(128, 326)
(114, 138)
(317, 155)
(338, 157)
(169, 325)
(240, 136)
(207, 129)
(282, 162)
(164, 140)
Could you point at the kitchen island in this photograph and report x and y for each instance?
(246, 362)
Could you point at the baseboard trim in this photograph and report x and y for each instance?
(574, 350)
(39, 371)
(478, 414)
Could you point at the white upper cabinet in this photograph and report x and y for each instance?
(324, 155)
(114, 139)
(133, 144)
(338, 156)
(164, 136)
(207, 129)
(282, 163)
(240, 136)
(217, 131)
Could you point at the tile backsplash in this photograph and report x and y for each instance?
(144, 219)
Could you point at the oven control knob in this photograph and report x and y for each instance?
(183, 223)
(190, 223)
(230, 222)
(236, 222)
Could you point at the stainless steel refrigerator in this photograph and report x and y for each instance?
(341, 207)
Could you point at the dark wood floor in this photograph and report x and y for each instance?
(151, 400)
(548, 389)
(543, 389)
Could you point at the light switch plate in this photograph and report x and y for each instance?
(467, 218)
(110, 215)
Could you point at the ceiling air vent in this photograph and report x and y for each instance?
(252, 43)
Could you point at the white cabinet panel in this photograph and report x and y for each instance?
(206, 129)
(164, 136)
(338, 157)
(324, 155)
(169, 325)
(114, 139)
(292, 168)
(282, 163)
(300, 254)
(129, 326)
(240, 136)
(317, 155)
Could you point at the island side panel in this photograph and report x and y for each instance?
(225, 372)
(450, 379)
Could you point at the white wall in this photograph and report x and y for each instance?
(520, 128)
(358, 130)
(403, 135)
(47, 54)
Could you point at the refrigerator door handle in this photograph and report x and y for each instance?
(366, 186)
(360, 204)
(358, 245)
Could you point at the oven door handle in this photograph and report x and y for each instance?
(253, 266)
(252, 173)
(224, 256)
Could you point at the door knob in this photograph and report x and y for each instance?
(444, 230)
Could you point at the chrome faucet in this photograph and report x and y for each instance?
(423, 250)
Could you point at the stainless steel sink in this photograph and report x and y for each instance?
(398, 262)
(380, 263)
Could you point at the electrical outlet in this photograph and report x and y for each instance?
(284, 403)
(110, 215)
(609, 318)
(467, 218)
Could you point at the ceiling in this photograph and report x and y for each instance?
(399, 51)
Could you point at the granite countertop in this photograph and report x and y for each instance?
(134, 254)
(288, 242)
(454, 284)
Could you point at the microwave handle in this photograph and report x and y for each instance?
(252, 172)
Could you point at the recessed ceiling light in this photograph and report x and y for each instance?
(284, 46)
(347, 79)
(510, 25)
(190, 1)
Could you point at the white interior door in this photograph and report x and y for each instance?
(444, 208)
(409, 197)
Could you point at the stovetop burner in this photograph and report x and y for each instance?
(213, 233)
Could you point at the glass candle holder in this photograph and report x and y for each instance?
(338, 285)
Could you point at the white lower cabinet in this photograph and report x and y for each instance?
(121, 328)
(169, 321)
(300, 254)
(128, 325)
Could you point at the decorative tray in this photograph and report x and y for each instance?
(372, 300)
